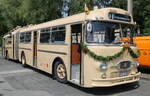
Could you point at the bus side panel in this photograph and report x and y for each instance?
(8, 49)
(143, 44)
(26, 49)
(47, 53)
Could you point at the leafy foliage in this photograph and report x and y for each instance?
(141, 12)
(23, 12)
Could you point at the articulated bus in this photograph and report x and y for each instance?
(85, 49)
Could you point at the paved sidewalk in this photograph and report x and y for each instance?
(7, 90)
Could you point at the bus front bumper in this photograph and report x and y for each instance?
(116, 81)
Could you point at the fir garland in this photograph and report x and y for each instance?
(133, 55)
(108, 58)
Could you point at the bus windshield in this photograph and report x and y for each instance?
(107, 32)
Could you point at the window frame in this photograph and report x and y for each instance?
(8, 40)
(25, 35)
(44, 30)
(59, 29)
(53, 30)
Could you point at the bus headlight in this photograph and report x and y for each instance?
(103, 66)
(103, 75)
(137, 63)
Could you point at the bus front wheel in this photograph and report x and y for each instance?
(60, 73)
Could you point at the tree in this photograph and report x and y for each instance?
(141, 14)
(24, 12)
(119, 4)
(10, 14)
(37, 11)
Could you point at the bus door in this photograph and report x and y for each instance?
(35, 48)
(15, 46)
(3, 47)
(76, 31)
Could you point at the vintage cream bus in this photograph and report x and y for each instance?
(85, 49)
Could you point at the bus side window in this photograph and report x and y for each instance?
(45, 35)
(25, 37)
(8, 40)
(21, 37)
(58, 35)
(28, 37)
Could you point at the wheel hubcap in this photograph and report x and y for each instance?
(61, 71)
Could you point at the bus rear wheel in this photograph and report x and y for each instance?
(23, 61)
(60, 73)
(6, 55)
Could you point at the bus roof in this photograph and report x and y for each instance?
(96, 14)
(7, 35)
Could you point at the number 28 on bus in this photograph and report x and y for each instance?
(90, 50)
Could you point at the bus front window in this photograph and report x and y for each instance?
(128, 30)
(106, 32)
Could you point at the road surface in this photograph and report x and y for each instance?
(16, 80)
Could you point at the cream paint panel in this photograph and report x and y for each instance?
(92, 67)
(48, 58)
(44, 58)
(28, 53)
(9, 49)
(68, 41)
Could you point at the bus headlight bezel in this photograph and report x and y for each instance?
(137, 63)
(103, 66)
(103, 75)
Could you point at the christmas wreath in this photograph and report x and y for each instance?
(108, 58)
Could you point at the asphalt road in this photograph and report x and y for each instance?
(16, 80)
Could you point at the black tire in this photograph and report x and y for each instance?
(6, 55)
(135, 84)
(23, 60)
(57, 75)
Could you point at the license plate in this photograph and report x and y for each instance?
(123, 74)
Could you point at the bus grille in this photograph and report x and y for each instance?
(125, 65)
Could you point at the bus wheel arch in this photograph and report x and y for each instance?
(57, 64)
(23, 59)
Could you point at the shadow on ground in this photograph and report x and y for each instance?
(107, 90)
(144, 70)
